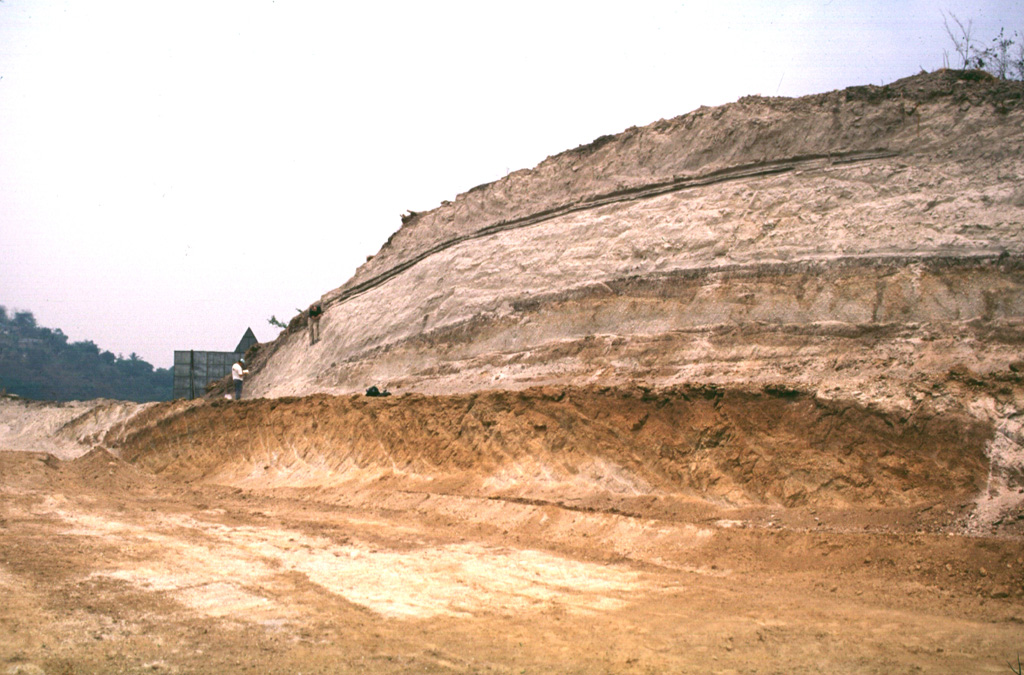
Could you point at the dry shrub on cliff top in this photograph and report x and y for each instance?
(1003, 57)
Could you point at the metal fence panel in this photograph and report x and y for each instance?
(194, 370)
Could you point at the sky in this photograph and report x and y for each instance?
(173, 173)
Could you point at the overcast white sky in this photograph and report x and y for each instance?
(172, 173)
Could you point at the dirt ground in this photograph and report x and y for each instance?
(334, 535)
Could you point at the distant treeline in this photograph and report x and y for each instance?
(40, 363)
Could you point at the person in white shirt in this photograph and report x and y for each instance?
(238, 373)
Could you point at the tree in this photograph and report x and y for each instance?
(87, 346)
(37, 362)
(24, 320)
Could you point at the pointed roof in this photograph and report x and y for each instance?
(248, 340)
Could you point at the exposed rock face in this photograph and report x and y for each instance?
(556, 445)
(857, 244)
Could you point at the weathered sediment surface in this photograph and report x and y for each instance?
(70, 429)
(859, 244)
(817, 305)
(582, 448)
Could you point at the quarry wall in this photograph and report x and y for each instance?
(860, 244)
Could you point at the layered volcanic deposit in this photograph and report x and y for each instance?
(857, 244)
(742, 390)
(862, 248)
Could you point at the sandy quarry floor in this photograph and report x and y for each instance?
(106, 568)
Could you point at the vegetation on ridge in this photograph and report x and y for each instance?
(40, 363)
(1002, 58)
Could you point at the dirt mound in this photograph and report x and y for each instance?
(104, 472)
(96, 471)
(93, 426)
(574, 445)
(71, 429)
(65, 429)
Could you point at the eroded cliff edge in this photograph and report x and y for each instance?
(859, 244)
